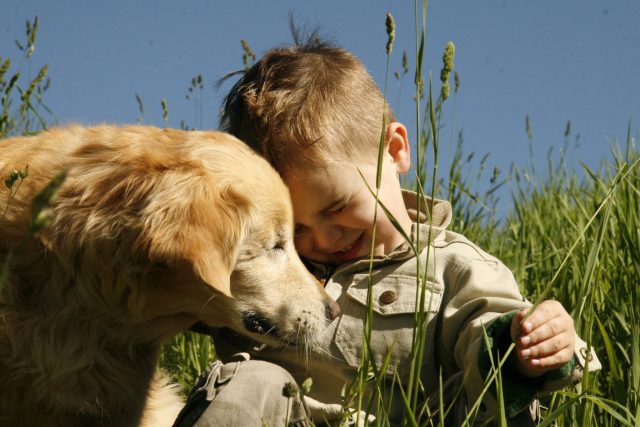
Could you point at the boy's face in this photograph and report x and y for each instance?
(334, 210)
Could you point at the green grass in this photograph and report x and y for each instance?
(583, 236)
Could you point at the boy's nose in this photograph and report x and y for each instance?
(326, 236)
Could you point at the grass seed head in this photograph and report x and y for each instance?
(290, 390)
(447, 57)
(447, 67)
(405, 62)
(391, 31)
(11, 179)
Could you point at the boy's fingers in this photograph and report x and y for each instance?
(553, 361)
(548, 317)
(551, 328)
(555, 345)
(546, 309)
(545, 338)
(523, 325)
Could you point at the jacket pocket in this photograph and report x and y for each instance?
(394, 308)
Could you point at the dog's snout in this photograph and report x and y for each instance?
(332, 310)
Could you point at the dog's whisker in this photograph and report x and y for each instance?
(298, 334)
(204, 305)
(325, 352)
(304, 348)
(273, 328)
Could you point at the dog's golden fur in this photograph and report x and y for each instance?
(154, 231)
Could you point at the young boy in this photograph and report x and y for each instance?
(316, 114)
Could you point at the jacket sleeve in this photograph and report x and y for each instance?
(480, 302)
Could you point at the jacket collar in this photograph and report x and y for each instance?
(429, 221)
(432, 211)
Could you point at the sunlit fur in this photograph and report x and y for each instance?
(154, 230)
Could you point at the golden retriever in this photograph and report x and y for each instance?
(154, 230)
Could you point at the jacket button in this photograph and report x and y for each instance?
(387, 297)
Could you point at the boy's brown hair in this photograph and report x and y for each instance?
(307, 104)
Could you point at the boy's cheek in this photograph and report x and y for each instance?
(361, 217)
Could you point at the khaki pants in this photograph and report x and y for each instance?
(244, 393)
(248, 393)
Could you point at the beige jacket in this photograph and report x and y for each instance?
(466, 288)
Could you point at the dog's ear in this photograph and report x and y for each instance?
(173, 218)
(210, 266)
(199, 225)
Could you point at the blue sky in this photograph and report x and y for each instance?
(553, 60)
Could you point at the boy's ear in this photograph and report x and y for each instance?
(398, 147)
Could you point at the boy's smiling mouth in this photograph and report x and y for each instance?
(350, 251)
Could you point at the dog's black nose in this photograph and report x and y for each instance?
(332, 310)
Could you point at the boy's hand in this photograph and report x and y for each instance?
(544, 341)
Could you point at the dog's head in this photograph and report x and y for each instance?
(190, 226)
(237, 237)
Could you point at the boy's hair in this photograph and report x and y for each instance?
(309, 103)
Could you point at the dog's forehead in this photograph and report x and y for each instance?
(275, 216)
(269, 196)
(272, 198)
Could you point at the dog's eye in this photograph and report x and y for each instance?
(278, 247)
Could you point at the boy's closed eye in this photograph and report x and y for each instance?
(333, 209)
(299, 230)
(338, 207)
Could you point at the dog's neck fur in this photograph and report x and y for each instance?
(65, 370)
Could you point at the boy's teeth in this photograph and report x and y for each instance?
(346, 248)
